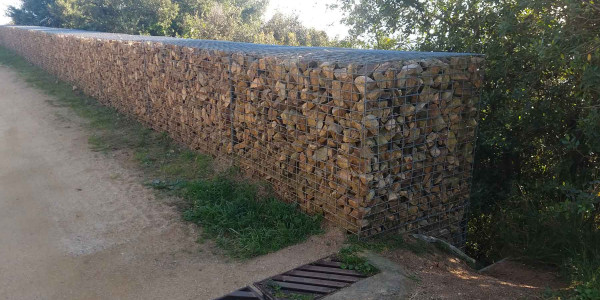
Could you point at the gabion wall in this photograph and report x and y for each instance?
(375, 140)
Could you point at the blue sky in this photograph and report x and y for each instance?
(312, 13)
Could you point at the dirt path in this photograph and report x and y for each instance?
(75, 224)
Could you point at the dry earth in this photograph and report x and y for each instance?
(75, 224)
(439, 276)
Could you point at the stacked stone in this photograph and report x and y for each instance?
(374, 140)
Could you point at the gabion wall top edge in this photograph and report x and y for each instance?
(330, 54)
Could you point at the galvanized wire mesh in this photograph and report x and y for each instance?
(374, 140)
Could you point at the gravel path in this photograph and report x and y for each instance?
(75, 224)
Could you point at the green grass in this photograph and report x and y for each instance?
(280, 294)
(388, 242)
(350, 258)
(242, 221)
(109, 130)
(230, 212)
(391, 241)
(414, 278)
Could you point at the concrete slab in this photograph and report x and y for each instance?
(391, 283)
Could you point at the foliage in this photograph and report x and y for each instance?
(279, 293)
(225, 20)
(351, 260)
(563, 233)
(126, 16)
(587, 292)
(288, 30)
(33, 12)
(243, 222)
(231, 20)
(538, 147)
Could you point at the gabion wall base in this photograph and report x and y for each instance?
(374, 140)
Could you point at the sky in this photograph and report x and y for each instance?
(3, 5)
(313, 13)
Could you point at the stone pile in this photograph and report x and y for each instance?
(374, 140)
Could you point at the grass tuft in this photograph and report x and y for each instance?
(351, 260)
(391, 241)
(279, 293)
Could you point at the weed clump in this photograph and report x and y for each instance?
(351, 260)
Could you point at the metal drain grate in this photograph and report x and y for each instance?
(246, 293)
(313, 281)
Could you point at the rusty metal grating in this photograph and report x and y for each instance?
(311, 281)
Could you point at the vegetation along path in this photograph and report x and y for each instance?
(79, 224)
(92, 206)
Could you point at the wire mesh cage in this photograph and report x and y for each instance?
(374, 140)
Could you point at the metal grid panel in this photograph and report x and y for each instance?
(306, 53)
(375, 140)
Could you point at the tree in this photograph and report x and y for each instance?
(33, 13)
(232, 20)
(226, 20)
(124, 16)
(537, 160)
(288, 30)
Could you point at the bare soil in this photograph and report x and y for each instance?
(77, 224)
(441, 276)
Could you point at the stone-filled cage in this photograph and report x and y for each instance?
(375, 140)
